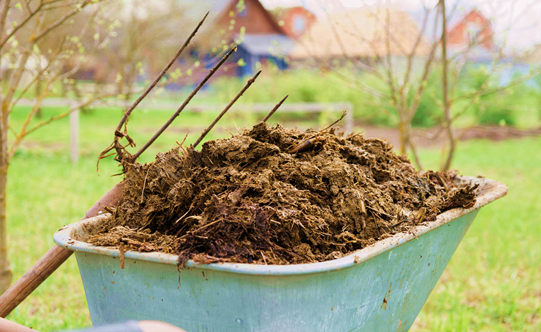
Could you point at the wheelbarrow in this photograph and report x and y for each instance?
(379, 288)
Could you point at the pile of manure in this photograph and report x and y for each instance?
(271, 195)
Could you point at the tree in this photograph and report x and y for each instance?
(145, 32)
(413, 64)
(31, 51)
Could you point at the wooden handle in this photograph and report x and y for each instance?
(112, 197)
(32, 279)
(51, 261)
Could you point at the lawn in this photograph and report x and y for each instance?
(96, 127)
(492, 284)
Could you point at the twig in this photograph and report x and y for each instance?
(3, 15)
(426, 71)
(192, 94)
(184, 140)
(415, 155)
(63, 115)
(250, 82)
(335, 122)
(275, 108)
(59, 22)
(414, 49)
(304, 145)
(37, 76)
(18, 26)
(23, 131)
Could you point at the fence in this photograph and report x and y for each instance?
(169, 106)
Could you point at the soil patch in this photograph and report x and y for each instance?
(429, 138)
(271, 195)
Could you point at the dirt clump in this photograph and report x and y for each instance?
(271, 195)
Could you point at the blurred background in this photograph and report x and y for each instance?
(452, 84)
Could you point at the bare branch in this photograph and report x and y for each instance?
(63, 115)
(19, 26)
(424, 76)
(13, 131)
(16, 78)
(19, 71)
(30, 116)
(3, 15)
(36, 78)
(414, 49)
(60, 21)
(389, 67)
(27, 6)
(415, 154)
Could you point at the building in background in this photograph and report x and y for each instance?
(472, 36)
(149, 33)
(261, 40)
(474, 28)
(295, 21)
(360, 35)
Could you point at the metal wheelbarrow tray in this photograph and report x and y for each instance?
(379, 288)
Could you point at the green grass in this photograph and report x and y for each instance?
(517, 106)
(97, 126)
(492, 283)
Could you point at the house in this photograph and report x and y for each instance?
(369, 33)
(295, 21)
(472, 37)
(261, 40)
(473, 29)
(163, 26)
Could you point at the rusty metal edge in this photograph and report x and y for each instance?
(491, 190)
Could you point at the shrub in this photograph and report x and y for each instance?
(489, 109)
(429, 113)
(306, 86)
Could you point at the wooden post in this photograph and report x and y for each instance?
(74, 136)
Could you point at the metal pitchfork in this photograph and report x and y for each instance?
(56, 256)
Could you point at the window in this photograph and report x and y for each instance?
(298, 24)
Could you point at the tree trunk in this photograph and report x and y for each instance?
(39, 114)
(5, 268)
(404, 129)
(404, 132)
(445, 86)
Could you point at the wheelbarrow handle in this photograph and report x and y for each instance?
(51, 261)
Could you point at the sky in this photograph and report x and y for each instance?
(517, 23)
